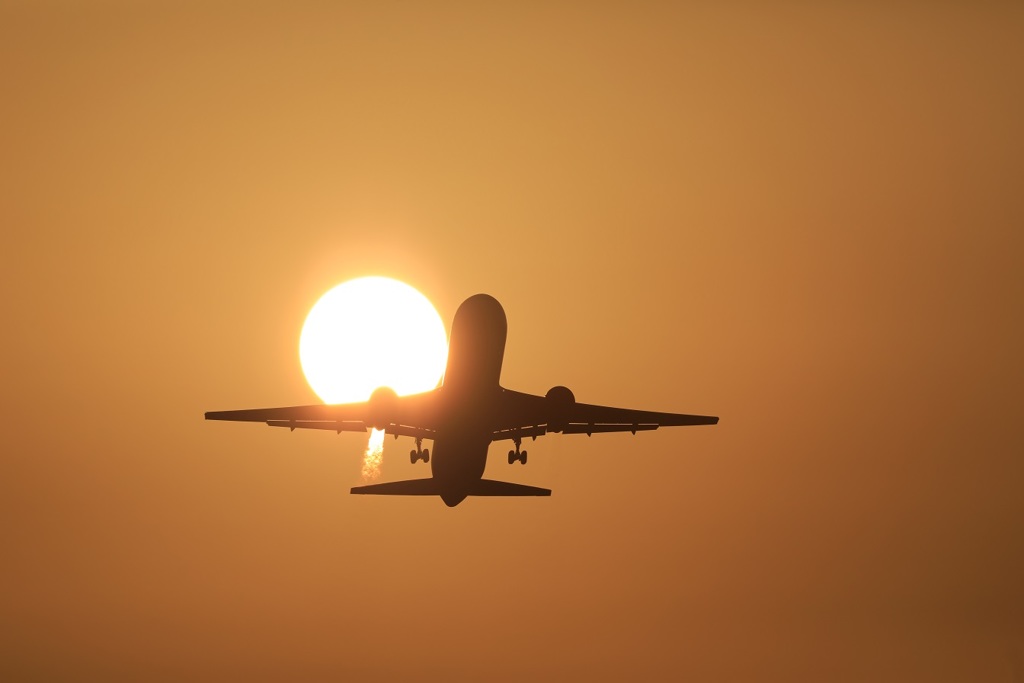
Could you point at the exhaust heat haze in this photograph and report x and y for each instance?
(374, 455)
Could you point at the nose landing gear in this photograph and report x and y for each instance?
(515, 455)
(419, 453)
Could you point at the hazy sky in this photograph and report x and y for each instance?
(807, 220)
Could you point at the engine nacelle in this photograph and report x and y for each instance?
(383, 407)
(560, 402)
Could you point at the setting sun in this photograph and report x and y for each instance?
(372, 332)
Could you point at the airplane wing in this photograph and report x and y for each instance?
(413, 416)
(527, 415)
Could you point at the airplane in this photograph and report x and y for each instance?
(465, 414)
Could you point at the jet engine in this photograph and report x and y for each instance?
(383, 407)
(560, 402)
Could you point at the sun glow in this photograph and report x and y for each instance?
(368, 333)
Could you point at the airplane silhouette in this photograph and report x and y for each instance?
(465, 414)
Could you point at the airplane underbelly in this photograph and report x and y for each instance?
(459, 461)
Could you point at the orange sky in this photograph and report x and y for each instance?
(804, 220)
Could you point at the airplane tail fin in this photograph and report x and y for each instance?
(430, 487)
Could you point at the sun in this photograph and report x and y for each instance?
(368, 333)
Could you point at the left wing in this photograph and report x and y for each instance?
(413, 416)
(527, 415)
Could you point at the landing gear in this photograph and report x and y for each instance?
(419, 453)
(515, 455)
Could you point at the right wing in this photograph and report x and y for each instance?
(413, 416)
(527, 415)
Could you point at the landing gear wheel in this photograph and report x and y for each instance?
(412, 457)
(511, 457)
(426, 455)
(522, 457)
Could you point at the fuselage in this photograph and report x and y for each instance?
(469, 392)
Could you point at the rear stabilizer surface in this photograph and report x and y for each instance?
(430, 487)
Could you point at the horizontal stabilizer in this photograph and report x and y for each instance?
(430, 487)
(489, 487)
(408, 487)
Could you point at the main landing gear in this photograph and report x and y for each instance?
(419, 453)
(515, 455)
